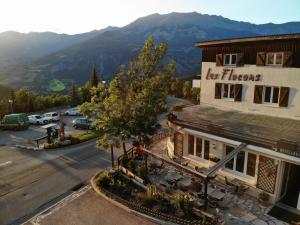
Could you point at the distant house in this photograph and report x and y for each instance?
(250, 93)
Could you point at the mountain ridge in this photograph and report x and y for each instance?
(111, 48)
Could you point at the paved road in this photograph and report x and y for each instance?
(85, 207)
(32, 180)
(26, 137)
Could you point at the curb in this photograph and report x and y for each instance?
(150, 218)
(27, 147)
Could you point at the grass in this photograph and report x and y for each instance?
(88, 136)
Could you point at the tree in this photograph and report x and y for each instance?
(94, 79)
(130, 106)
(176, 88)
(186, 89)
(74, 96)
(195, 95)
(85, 92)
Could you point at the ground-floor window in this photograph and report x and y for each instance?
(243, 162)
(199, 147)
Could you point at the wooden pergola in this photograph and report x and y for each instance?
(206, 175)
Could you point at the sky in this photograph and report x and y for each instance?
(78, 16)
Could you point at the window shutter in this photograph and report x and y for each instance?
(238, 91)
(287, 59)
(240, 59)
(284, 96)
(218, 90)
(261, 59)
(219, 60)
(258, 89)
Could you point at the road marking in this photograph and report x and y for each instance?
(55, 207)
(5, 163)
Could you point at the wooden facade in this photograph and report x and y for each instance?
(211, 53)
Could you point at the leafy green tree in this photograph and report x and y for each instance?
(186, 89)
(195, 95)
(94, 78)
(130, 106)
(85, 92)
(176, 88)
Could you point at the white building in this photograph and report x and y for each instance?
(250, 93)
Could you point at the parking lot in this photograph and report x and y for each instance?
(26, 137)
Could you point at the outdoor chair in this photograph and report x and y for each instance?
(229, 185)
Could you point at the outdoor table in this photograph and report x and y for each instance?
(217, 194)
(237, 183)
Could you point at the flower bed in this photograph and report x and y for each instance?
(152, 202)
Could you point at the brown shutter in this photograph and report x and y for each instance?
(219, 60)
(218, 90)
(287, 59)
(178, 144)
(284, 96)
(240, 59)
(261, 59)
(258, 89)
(238, 91)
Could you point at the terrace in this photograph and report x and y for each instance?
(226, 201)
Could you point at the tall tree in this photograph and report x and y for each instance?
(75, 100)
(94, 77)
(134, 99)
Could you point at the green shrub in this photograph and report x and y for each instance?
(88, 136)
(104, 181)
(74, 140)
(182, 201)
(51, 146)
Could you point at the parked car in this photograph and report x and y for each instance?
(37, 119)
(73, 112)
(18, 121)
(51, 116)
(82, 123)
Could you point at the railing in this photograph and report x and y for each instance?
(159, 136)
(129, 153)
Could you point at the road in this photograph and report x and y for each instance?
(33, 180)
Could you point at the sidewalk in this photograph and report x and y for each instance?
(87, 209)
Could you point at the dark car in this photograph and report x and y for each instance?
(82, 123)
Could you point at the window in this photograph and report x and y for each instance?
(274, 58)
(229, 165)
(202, 147)
(206, 149)
(270, 95)
(251, 164)
(199, 147)
(240, 160)
(228, 91)
(191, 144)
(243, 162)
(230, 59)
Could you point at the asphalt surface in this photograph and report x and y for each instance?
(31, 181)
(26, 137)
(85, 207)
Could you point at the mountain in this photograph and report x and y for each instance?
(18, 47)
(109, 49)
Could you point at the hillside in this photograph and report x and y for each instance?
(18, 47)
(109, 49)
(4, 92)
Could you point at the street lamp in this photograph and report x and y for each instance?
(11, 105)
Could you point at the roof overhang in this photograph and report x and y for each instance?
(247, 39)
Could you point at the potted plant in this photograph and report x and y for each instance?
(263, 198)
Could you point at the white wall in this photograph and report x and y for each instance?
(273, 76)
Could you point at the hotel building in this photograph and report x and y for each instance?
(248, 115)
